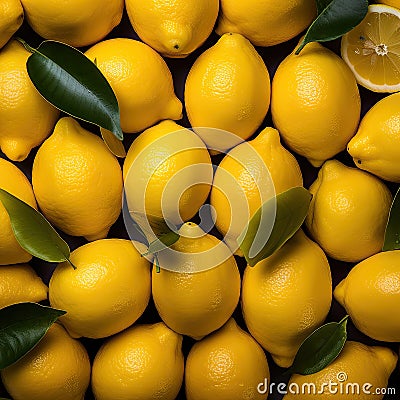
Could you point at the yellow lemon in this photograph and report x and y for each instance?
(112, 283)
(200, 289)
(15, 182)
(19, 283)
(376, 146)
(318, 89)
(287, 296)
(167, 173)
(371, 296)
(228, 88)
(77, 23)
(372, 49)
(26, 118)
(348, 212)
(57, 368)
(248, 176)
(141, 82)
(77, 181)
(227, 365)
(393, 3)
(175, 28)
(266, 22)
(144, 362)
(11, 18)
(357, 370)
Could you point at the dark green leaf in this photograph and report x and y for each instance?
(164, 241)
(22, 326)
(33, 232)
(288, 210)
(392, 234)
(71, 82)
(335, 18)
(321, 348)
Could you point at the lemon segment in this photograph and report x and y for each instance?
(372, 49)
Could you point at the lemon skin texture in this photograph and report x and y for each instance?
(357, 363)
(15, 182)
(144, 362)
(112, 282)
(175, 28)
(57, 368)
(287, 296)
(348, 212)
(228, 88)
(11, 18)
(249, 175)
(77, 23)
(77, 181)
(26, 118)
(266, 22)
(375, 147)
(161, 160)
(226, 365)
(371, 296)
(317, 88)
(19, 283)
(141, 81)
(196, 303)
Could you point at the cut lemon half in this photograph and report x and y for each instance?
(372, 49)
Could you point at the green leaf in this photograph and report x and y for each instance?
(33, 232)
(392, 234)
(22, 326)
(335, 18)
(71, 82)
(164, 241)
(321, 348)
(289, 209)
(114, 145)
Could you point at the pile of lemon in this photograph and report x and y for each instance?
(78, 185)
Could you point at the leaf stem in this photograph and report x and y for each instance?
(26, 45)
(71, 264)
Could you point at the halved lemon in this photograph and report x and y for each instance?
(372, 49)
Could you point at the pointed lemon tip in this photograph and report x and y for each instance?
(388, 358)
(15, 151)
(283, 361)
(167, 335)
(174, 109)
(97, 236)
(268, 136)
(340, 292)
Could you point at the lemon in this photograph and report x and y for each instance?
(365, 367)
(228, 88)
(371, 296)
(393, 3)
(348, 212)
(200, 294)
(11, 18)
(248, 176)
(26, 118)
(175, 28)
(57, 368)
(266, 22)
(141, 82)
(227, 365)
(167, 173)
(144, 362)
(318, 89)
(77, 181)
(19, 283)
(287, 296)
(77, 23)
(376, 146)
(372, 49)
(15, 182)
(112, 283)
